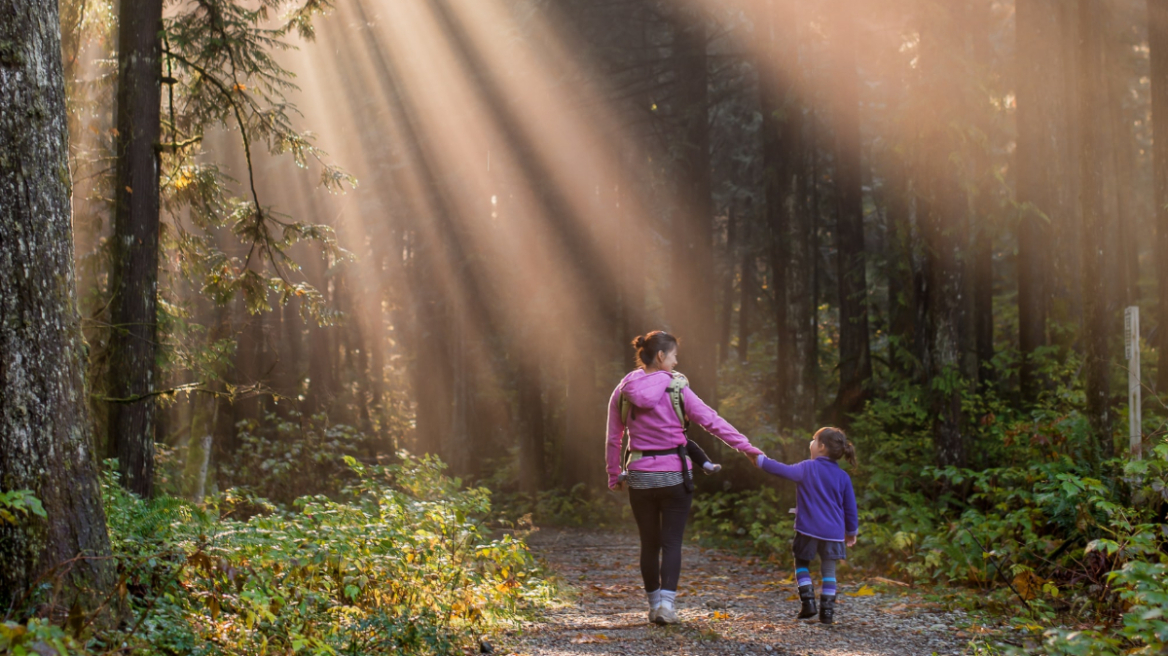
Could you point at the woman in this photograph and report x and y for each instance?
(660, 488)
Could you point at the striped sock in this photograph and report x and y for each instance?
(803, 576)
(829, 587)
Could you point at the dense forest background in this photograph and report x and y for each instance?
(823, 201)
(315, 238)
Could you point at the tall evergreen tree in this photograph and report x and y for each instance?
(855, 355)
(944, 233)
(1097, 316)
(692, 235)
(134, 277)
(1039, 94)
(1158, 53)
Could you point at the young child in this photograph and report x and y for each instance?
(825, 515)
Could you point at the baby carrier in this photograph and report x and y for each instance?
(676, 387)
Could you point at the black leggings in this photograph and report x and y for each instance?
(661, 513)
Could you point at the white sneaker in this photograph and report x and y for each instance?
(666, 614)
(653, 614)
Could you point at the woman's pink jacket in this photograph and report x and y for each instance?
(654, 425)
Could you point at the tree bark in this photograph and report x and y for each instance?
(855, 361)
(1097, 318)
(747, 291)
(983, 225)
(1120, 71)
(532, 462)
(134, 276)
(45, 436)
(1039, 131)
(1158, 47)
(791, 254)
(692, 292)
(944, 233)
(726, 327)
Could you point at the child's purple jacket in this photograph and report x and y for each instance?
(825, 504)
(653, 424)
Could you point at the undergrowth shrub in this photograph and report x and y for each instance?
(1038, 529)
(399, 563)
(284, 458)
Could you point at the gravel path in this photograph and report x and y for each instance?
(728, 604)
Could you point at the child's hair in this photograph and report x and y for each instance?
(650, 344)
(836, 443)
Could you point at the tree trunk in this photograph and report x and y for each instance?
(784, 182)
(983, 226)
(1065, 303)
(1125, 266)
(692, 293)
(1158, 47)
(1039, 131)
(134, 275)
(532, 463)
(902, 255)
(1097, 318)
(732, 224)
(944, 233)
(45, 440)
(747, 292)
(855, 361)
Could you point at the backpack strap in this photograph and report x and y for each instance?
(676, 387)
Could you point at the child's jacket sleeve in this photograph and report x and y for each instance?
(789, 472)
(616, 433)
(705, 416)
(851, 516)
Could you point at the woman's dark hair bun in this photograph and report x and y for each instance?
(652, 343)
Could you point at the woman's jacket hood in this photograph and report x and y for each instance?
(645, 391)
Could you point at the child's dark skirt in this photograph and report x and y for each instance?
(806, 547)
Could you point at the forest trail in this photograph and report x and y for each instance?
(729, 604)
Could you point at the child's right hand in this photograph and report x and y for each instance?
(758, 460)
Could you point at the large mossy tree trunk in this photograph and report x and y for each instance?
(855, 359)
(45, 440)
(134, 277)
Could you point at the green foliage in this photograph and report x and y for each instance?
(222, 71)
(1049, 535)
(759, 517)
(36, 637)
(579, 506)
(21, 502)
(283, 458)
(400, 563)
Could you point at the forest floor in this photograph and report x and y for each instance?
(728, 603)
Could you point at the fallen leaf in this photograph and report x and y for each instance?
(586, 639)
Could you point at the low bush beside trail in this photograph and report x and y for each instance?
(401, 562)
